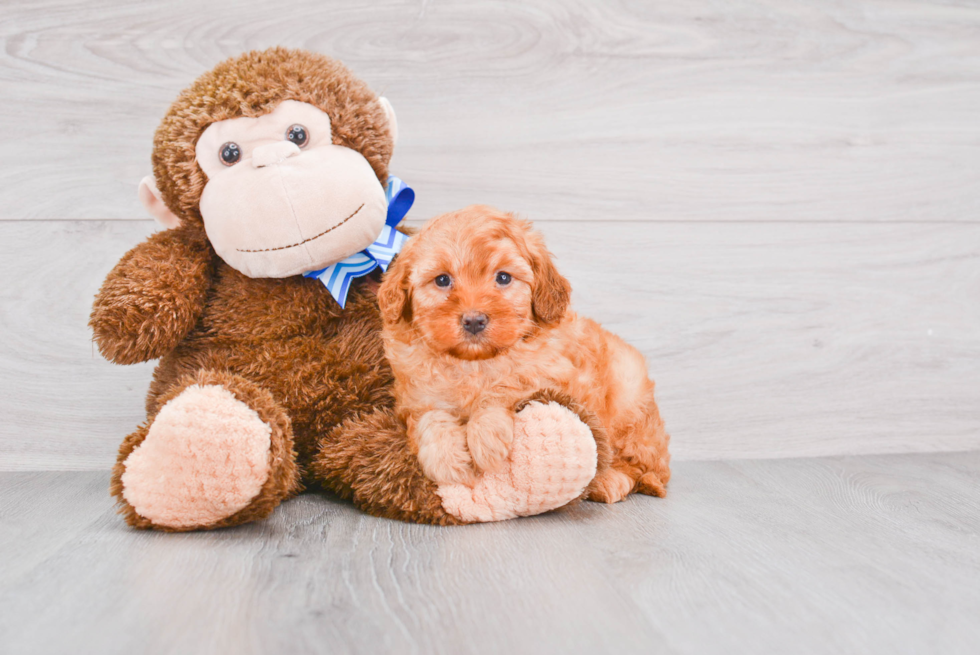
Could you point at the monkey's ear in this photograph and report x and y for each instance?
(153, 202)
(392, 121)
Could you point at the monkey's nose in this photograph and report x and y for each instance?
(274, 153)
(475, 322)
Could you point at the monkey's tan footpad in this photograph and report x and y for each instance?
(205, 457)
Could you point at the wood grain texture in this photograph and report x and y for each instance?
(755, 110)
(846, 555)
(766, 340)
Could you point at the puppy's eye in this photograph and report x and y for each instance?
(297, 134)
(503, 279)
(230, 153)
(443, 281)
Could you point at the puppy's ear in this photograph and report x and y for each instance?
(393, 300)
(551, 292)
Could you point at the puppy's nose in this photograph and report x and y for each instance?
(474, 322)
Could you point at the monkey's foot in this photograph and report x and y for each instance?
(552, 460)
(206, 459)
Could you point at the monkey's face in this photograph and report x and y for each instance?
(281, 198)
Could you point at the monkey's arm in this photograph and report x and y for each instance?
(559, 446)
(153, 296)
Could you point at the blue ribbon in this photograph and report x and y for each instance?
(337, 277)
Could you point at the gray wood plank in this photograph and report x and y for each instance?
(766, 340)
(848, 555)
(758, 110)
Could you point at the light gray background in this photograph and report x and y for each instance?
(776, 201)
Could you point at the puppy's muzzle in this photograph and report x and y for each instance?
(474, 322)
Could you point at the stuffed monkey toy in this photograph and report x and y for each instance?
(270, 175)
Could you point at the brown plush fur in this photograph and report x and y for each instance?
(450, 382)
(154, 296)
(351, 455)
(282, 346)
(283, 480)
(317, 374)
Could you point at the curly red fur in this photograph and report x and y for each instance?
(455, 388)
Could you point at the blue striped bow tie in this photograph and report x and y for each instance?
(337, 277)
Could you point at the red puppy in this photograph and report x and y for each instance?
(476, 318)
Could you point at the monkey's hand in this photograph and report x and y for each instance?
(153, 296)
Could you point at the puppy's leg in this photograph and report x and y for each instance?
(641, 461)
(441, 441)
(652, 484)
(636, 432)
(647, 452)
(610, 486)
(489, 435)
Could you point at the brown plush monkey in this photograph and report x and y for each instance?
(271, 165)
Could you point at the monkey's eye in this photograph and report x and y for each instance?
(297, 134)
(504, 278)
(443, 281)
(230, 153)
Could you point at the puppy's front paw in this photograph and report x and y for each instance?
(489, 435)
(443, 456)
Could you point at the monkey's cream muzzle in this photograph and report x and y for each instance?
(281, 209)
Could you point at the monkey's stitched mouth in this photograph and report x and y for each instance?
(329, 229)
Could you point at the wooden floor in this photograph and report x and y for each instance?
(778, 203)
(872, 554)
